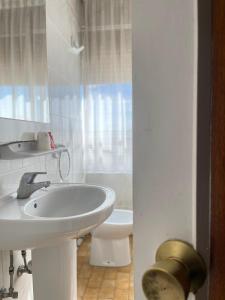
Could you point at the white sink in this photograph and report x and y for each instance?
(49, 223)
(53, 215)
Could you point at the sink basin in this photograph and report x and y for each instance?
(66, 202)
(49, 216)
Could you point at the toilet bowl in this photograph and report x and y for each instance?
(110, 244)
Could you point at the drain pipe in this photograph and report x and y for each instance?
(11, 293)
(26, 267)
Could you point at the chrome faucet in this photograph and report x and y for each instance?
(27, 185)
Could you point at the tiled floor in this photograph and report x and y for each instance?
(99, 283)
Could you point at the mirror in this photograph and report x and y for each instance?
(23, 61)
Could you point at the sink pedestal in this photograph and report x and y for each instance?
(55, 272)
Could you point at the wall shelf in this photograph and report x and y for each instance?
(25, 149)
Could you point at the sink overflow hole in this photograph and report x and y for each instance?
(35, 205)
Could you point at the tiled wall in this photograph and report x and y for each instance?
(121, 183)
(64, 84)
(64, 79)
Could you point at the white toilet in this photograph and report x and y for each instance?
(110, 245)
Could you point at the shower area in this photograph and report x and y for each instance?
(106, 93)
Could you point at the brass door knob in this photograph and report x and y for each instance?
(178, 270)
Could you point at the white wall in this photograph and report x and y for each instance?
(120, 183)
(164, 84)
(64, 81)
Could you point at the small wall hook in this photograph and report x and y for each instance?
(75, 49)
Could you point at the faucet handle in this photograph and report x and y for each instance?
(30, 176)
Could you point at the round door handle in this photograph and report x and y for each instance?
(179, 270)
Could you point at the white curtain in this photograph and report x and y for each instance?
(107, 92)
(23, 60)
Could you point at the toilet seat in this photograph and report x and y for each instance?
(110, 241)
(120, 217)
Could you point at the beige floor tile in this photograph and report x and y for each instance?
(98, 273)
(131, 294)
(131, 286)
(91, 292)
(108, 283)
(99, 283)
(122, 281)
(82, 260)
(85, 272)
(106, 292)
(110, 274)
(98, 269)
(81, 286)
(90, 298)
(126, 269)
(121, 294)
(95, 281)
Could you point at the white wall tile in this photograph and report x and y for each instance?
(64, 82)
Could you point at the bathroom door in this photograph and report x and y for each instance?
(172, 81)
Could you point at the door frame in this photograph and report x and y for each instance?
(211, 146)
(217, 257)
(204, 103)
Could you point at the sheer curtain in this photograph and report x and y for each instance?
(23, 60)
(107, 99)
